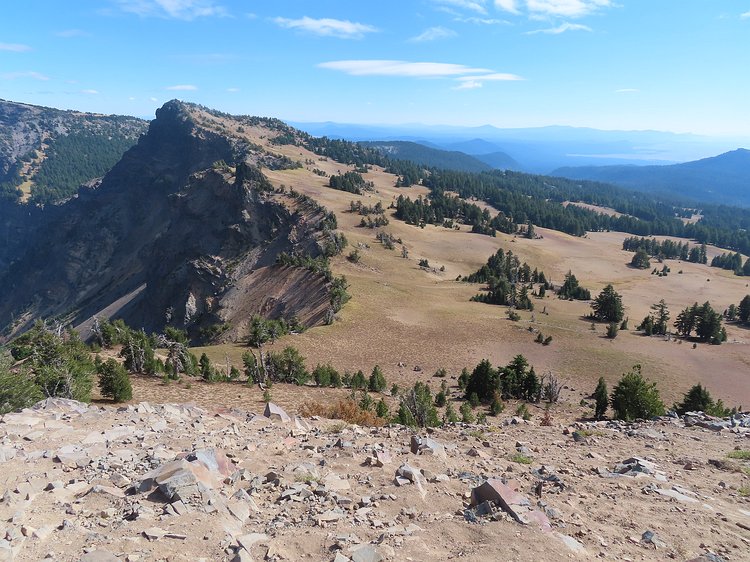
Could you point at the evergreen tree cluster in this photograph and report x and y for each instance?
(704, 320)
(570, 289)
(351, 182)
(668, 249)
(732, 262)
(58, 363)
(508, 281)
(516, 380)
(441, 207)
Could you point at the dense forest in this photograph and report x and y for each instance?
(74, 159)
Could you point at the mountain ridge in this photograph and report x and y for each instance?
(723, 179)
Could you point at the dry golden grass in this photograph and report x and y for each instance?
(345, 409)
(400, 313)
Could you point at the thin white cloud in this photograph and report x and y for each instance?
(90, 92)
(432, 34)
(153, 99)
(182, 88)
(471, 5)
(566, 8)
(627, 91)
(14, 47)
(562, 28)
(482, 21)
(176, 9)
(327, 27)
(24, 74)
(70, 33)
(745, 16)
(400, 68)
(468, 85)
(493, 77)
(507, 6)
(233, 90)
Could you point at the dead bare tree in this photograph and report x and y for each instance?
(551, 387)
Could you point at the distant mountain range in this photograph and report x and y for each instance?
(721, 179)
(541, 149)
(449, 159)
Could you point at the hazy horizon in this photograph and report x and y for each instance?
(632, 65)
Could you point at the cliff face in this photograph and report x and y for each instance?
(180, 220)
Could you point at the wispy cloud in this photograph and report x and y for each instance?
(468, 78)
(177, 9)
(400, 68)
(507, 5)
(562, 28)
(14, 47)
(233, 90)
(327, 27)
(432, 34)
(71, 33)
(468, 85)
(90, 92)
(627, 91)
(471, 5)
(482, 21)
(473, 82)
(24, 74)
(745, 16)
(182, 88)
(566, 8)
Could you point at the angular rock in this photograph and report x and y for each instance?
(426, 446)
(366, 553)
(274, 412)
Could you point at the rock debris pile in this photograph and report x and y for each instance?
(176, 482)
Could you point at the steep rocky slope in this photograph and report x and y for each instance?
(177, 482)
(179, 222)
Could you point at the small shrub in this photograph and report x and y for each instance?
(346, 410)
(612, 329)
(440, 399)
(381, 410)
(358, 381)
(450, 414)
(497, 406)
(634, 397)
(474, 399)
(547, 418)
(741, 455)
(114, 381)
(523, 411)
(267, 395)
(601, 395)
(377, 382)
(547, 340)
(521, 458)
(467, 416)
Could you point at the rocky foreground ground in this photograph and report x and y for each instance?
(176, 482)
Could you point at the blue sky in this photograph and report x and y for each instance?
(673, 65)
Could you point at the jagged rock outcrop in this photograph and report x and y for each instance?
(172, 231)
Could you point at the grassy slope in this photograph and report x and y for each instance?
(400, 313)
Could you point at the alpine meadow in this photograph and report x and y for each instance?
(360, 282)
